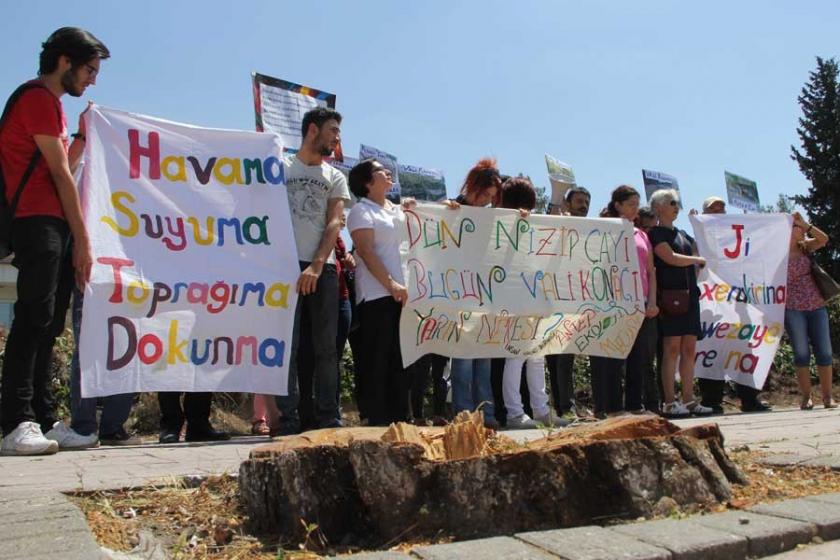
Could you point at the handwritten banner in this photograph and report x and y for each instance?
(489, 283)
(193, 283)
(742, 294)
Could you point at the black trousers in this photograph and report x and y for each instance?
(561, 374)
(43, 257)
(428, 367)
(387, 384)
(642, 384)
(711, 392)
(607, 374)
(196, 410)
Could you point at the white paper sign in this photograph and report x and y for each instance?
(388, 161)
(488, 283)
(193, 283)
(742, 294)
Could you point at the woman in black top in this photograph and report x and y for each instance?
(675, 259)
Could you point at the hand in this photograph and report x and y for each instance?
(799, 221)
(452, 204)
(408, 203)
(308, 279)
(82, 261)
(349, 262)
(692, 212)
(398, 292)
(651, 311)
(700, 261)
(82, 127)
(524, 213)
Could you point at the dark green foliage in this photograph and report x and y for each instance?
(819, 159)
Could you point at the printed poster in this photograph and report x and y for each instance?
(488, 283)
(655, 180)
(279, 107)
(741, 192)
(389, 161)
(193, 282)
(742, 294)
(561, 177)
(421, 183)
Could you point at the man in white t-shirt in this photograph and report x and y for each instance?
(317, 192)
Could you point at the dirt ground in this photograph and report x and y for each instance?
(207, 521)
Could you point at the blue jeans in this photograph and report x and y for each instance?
(115, 408)
(804, 327)
(471, 386)
(313, 361)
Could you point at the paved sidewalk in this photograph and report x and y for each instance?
(30, 486)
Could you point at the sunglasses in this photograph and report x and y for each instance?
(673, 202)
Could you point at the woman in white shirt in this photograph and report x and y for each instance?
(374, 224)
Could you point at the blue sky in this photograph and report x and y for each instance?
(608, 87)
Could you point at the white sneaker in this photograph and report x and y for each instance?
(523, 422)
(675, 409)
(551, 421)
(27, 439)
(68, 438)
(698, 409)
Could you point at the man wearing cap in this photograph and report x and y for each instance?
(711, 390)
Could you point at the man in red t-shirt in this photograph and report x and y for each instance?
(49, 238)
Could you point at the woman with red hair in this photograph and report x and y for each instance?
(470, 378)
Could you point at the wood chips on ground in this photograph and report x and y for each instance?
(207, 521)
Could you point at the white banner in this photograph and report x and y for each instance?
(193, 283)
(488, 283)
(742, 294)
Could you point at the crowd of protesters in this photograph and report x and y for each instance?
(353, 296)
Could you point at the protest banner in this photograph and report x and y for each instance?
(655, 180)
(742, 294)
(279, 107)
(421, 183)
(193, 281)
(741, 192)
(489, 283)
(561, 177)
(389, 162)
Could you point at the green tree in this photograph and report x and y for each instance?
(819, 159)
(784, 205)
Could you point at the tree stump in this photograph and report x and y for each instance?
(372, 486)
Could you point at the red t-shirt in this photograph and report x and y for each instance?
(37, 111)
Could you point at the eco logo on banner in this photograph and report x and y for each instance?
(743, 291)
(193, 283)
(488, 283)
(741, 192)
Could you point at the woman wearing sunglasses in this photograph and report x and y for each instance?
(675, 259)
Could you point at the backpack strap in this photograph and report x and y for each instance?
(13, 99)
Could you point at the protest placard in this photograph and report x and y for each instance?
(561, 177)
(421, 183)
(655, 180)
(279, 107)
(193, 281)
(741, 192)
(489, 283)
(742, 294)
(389, 161)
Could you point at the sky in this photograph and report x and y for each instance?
(608, 87)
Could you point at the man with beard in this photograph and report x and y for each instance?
(49, 238)
(317, 192)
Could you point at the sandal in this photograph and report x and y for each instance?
(260, 428)
(806, 404)
(829, 403)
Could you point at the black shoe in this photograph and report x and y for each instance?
(120, 437)
(206, 433)
(757, 406)
(716, 408)
(169, 436)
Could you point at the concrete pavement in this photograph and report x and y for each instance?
(34, 484)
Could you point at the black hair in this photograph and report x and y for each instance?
(619, 195)
(78, 45)
(518, 192)
(318, 116)
(577, 190)
(360, 176)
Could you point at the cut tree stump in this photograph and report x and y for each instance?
(372, 486)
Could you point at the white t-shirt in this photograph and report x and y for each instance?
(386, 223)
(309, 187)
